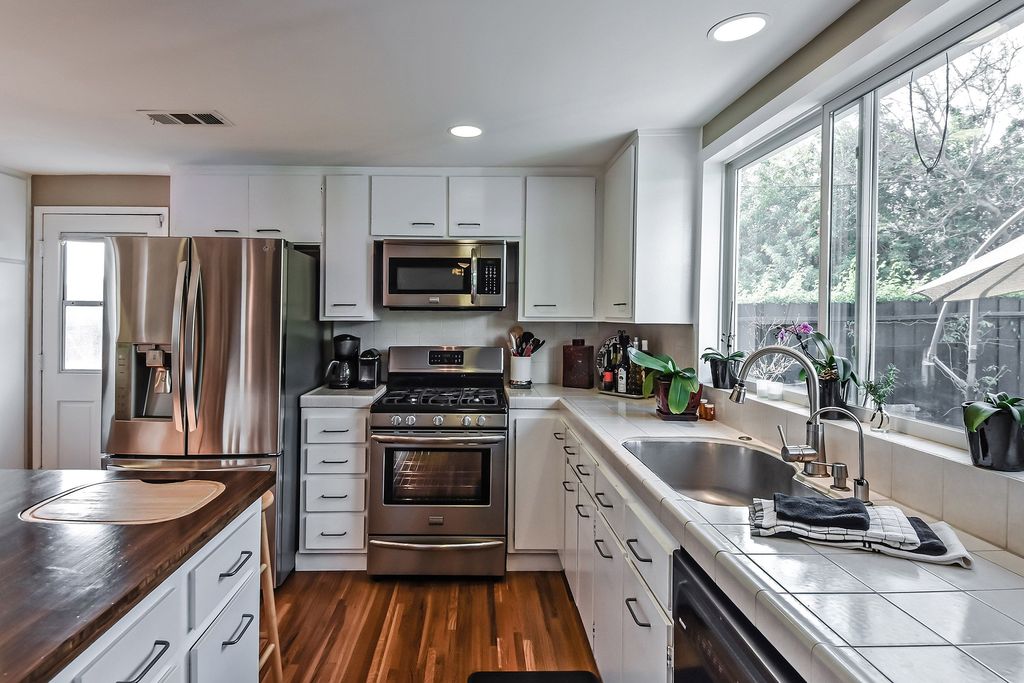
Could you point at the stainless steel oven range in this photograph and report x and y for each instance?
(438, 467)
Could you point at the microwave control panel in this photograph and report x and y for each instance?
(490, 276)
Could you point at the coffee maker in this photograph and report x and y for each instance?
(343, 371)
(369, 369)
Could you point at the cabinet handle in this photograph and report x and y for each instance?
(567, 485)
(629, 544)
(327, 535)
(333, 431)
(345, 305)
(629, 606)
(225, 231)
(597, 544)
(267, 230)
(600, 502)
(247, 619)
(544, 305)
(580, 468)
(468, 225)
(566, 449)
(334, 462)
(326, 497)
(163, 646)
(624, 303)
(242, 559)
(578, 512)
(559, 436)
(414, 224)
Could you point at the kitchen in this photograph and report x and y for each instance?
(335, 354)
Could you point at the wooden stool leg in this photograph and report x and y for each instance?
(273, 649)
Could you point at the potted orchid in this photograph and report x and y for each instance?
(995, 431)
(834, 372)
(723, 363)
(676, 390)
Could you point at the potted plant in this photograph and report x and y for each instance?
(995, 433)
(878, 391)
(723, 364)
(834, 372)
(676, 390)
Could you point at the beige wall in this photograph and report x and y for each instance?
(101, 190)
(14, 320)
(857, 21)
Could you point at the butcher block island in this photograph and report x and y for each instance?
(168, 595)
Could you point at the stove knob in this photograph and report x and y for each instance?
(467, 421)
(396, 420)
(481, 420)
(411, 420)
(438, 420)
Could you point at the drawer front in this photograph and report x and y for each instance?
(223, 570)
(335, 531)
(344, 428)
(150, 644)
(571, 449)
(650, 549)
(646, 634)
(341, 459)
(611, 501)
(335, 494)
(230, 649)
(586, 467)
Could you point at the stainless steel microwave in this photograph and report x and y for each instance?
(443, 275)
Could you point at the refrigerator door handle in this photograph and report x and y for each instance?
(192, 363)
(177, 371)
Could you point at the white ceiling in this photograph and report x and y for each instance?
(370, 82)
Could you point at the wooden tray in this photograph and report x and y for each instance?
(125, 501)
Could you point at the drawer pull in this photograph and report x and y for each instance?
(334, 462)
(560, 436)
(345, 305)
(225, 231)
(327, 535)
(422, 223)
(262, 230)
(326, 497)
(580, 512)
(580, 468)
(622, 304)
(629, 544)
(599, 495)
(566, 449)
(333, 431)
(545, 305)
(597, 544)
(468, 225)
(567, 485)
(247, 620)
(242, 559)
(162, 646)
(629, 606)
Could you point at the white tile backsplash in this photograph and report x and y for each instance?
(975, 501)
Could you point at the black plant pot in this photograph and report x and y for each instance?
(832, 394)
(722, 375)
(998, 444)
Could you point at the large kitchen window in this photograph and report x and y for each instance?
(924, 171)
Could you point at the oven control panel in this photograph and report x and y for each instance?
(443, 357)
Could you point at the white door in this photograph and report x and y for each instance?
(617, 242)
(539, 465)
(347, 257)
(70, 313)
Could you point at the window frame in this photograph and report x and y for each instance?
(65, 303)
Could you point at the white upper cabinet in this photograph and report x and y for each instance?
(485, 206)
(408, 206)
(557, 259)
(616, 272)
(347, 256)
(286, 206)
(209, 205)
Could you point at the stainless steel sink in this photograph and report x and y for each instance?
(717, 471)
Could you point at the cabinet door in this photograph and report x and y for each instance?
(646, 633)
(209, 205)
(408, 206)
(286, 206)
(570, 526)
(229, 649)
(585, 554)
(558, 261)
(608, 568)
(538, 468)
(485, 206)
(616, 274)
(347, 258)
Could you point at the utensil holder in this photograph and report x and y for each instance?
(520, 374)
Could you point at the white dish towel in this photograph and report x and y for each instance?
(955, 553)
(889, 526)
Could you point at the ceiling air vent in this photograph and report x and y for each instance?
(173, 117)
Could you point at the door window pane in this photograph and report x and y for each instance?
(778, 214)
(83, 270)
(83, 336)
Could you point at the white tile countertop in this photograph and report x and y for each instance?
(325, 397)
(835, 614)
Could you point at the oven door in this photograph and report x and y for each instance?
(437, 484)
(443, 275)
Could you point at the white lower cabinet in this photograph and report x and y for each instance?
(229, 650)
(537, 465)
(570, 527)
(646, 633)
(609, 566)
(585, 511)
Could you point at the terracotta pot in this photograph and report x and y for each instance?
(998, 444)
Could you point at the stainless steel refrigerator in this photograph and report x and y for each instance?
(207, 345)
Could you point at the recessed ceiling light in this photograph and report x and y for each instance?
(739, 27)
(465, 131)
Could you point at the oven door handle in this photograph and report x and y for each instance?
(398, 545)
(437, 440)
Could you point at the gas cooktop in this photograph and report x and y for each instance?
(443, 397)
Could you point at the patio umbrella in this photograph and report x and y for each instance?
(1000, 271)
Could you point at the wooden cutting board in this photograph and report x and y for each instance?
(125, 501)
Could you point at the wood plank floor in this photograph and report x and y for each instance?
(344, 626)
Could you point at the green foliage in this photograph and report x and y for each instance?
(879, 390)
(684, 380)
(714, 354)
(978, 412)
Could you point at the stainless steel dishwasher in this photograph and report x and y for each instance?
(714, 641)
